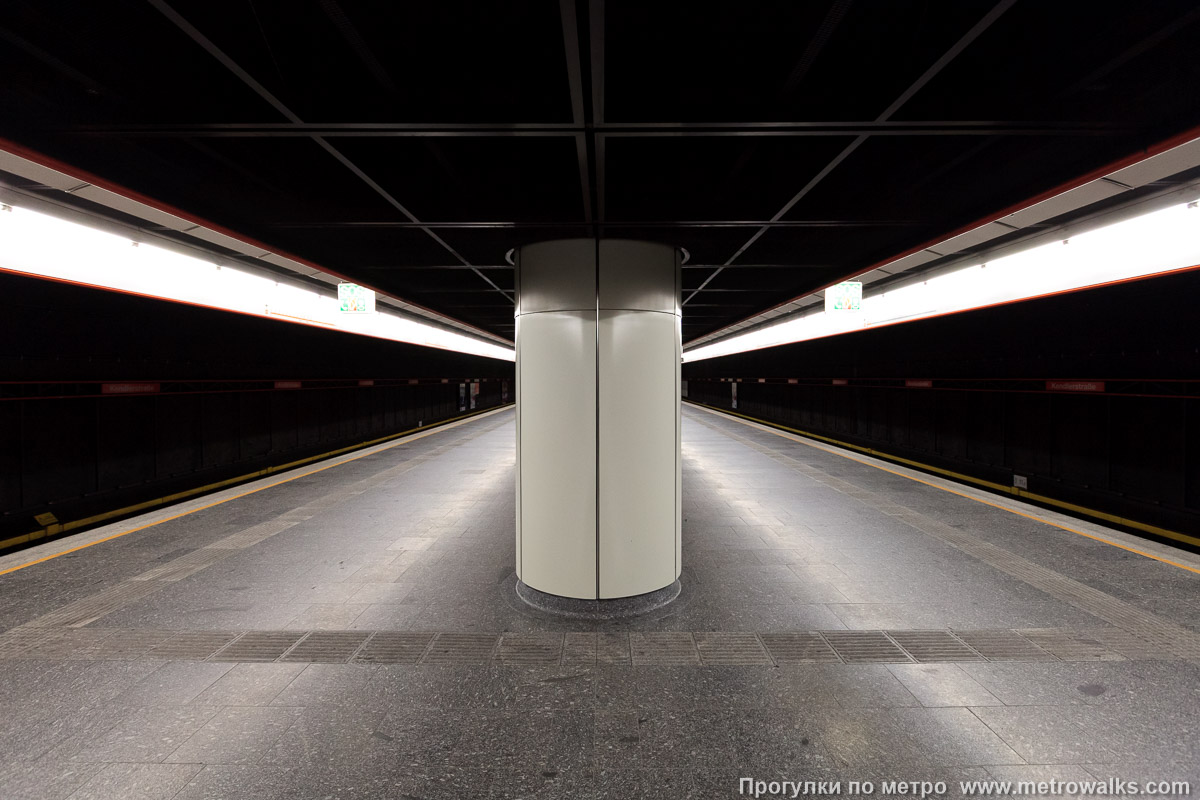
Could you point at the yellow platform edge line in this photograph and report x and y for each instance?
(57, 528)
(1011, 490)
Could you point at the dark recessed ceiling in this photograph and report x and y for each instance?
(402, 144)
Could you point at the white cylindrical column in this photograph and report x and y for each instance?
(598, 467)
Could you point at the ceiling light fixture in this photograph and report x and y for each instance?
(39, 245)
(1152, 244)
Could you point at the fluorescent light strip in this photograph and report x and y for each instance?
(37, 244)
(1152, 244)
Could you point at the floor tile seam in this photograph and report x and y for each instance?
(61, 547)
(659, 636)
(177, 569)
(1080, 595)
(974, 711)
(205, 764)
(1035, 638)
(123, 714)
(1069, 590)
(182, 560)
(1157, 552)
(337, 497)
(101, 601)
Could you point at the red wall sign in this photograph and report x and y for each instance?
(1075, 386)
(919, 384)
(287, 384)
(129, 388)
(840, 381)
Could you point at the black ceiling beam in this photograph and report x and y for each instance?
(1133, 52)
(759, 266)
(55, 63)
(354, 39)
(769, 290)
(623, 129)
(211, 48)
(971, 35)
(596, 49)
(570, 27)
(829, 24)
(403, 267)
(783, 223)
(417, 267)
(456, 291)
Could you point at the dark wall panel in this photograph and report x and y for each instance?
(58, 447)
(177, 431)
(69, 448)
(125, 444)
(988, 410)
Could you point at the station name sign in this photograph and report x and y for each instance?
(129, 388)
(355, 299)
(845, 296)
(1074, 386)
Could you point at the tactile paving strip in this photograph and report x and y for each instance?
(123, 645)
(327, 647)
(258, 646)
(613, 648)
(663, 649)
(530, 648)
(191, 646)
(801, 647)
(579, 649)
(68, 644)
(1069, 646)
(596, 648)
(185, 565)
(731, 649)
(90, 609)
(934, 646)
(257, 533)
(865, 647)
(1003, 645)
(461, 648)
(1160, 635)
(18, 641)
(387, 647)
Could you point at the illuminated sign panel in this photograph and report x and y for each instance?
(42, 246)
(129, 388)
(1155, 243)
(845, 296)
(1075, 386)
(355, 299)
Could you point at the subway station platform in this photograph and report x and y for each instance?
(351, 629)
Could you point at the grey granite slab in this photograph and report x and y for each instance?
(235, 735)
(137, 782)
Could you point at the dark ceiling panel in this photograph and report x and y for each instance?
(707, 178)
(380, 60)
(488, 246)
(704, 245)
(1058, 61)
(475, 179)
(411, 145)
(772, 60)
(68, 62)
(351, 249)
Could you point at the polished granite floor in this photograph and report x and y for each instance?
(354, 633)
